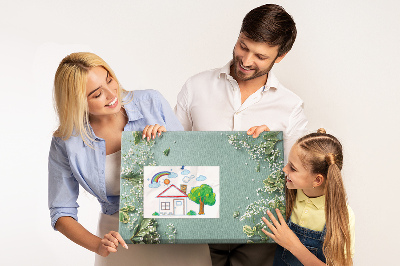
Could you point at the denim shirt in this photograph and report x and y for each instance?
(72, 162)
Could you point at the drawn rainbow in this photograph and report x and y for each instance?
(157, 176)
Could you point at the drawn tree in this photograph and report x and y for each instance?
(202, 195)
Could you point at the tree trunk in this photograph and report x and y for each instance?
(201, 207)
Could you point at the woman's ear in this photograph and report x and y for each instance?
(318, 181)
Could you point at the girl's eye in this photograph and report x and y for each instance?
(292, 169)
(109, 81)
(98, 95)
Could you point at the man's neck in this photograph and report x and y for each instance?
(248, 87)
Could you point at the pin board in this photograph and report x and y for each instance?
(199, 186)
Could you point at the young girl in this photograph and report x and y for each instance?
(320, 228)
(85, 151)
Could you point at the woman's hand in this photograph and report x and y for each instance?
(281, 233)
(151, 131)
(255, 131)
(110, 243)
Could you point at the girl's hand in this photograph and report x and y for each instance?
(151, 131)
(255, 131)
(281, 233)
(110, 243)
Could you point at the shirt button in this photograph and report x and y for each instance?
(306, 211)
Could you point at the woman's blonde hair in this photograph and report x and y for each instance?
(322, 153)
(70, 94)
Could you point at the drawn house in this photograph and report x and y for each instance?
(172, 201)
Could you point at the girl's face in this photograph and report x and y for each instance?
(102, 93)
(298, 177)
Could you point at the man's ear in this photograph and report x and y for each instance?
(278, 59)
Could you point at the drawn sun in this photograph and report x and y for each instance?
(166, 181)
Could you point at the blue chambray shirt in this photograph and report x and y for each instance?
(73, 163)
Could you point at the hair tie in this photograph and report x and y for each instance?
(321, 130)
(330, 158)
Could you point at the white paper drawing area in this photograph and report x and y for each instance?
(181, 192)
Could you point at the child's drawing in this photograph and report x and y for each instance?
(181, 191)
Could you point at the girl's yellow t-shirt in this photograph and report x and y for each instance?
(310, 213)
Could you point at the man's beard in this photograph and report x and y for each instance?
(257, 72)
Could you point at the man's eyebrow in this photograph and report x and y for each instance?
(263, 55)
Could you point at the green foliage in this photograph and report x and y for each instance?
(127, 209)
(134, 177)
(124, 217)
(271, 135)
(145, 232)
(192, 212)
(171, 233)
(156, 214)
(137, 137)
(124, 214)
(166, 152)
(275, 182)
(272, 192)
(203, 192)
(236, 214)
(248, 230)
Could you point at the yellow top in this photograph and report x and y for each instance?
(310, 213)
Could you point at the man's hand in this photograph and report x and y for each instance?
(255, 131)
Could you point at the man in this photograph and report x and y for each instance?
(246, 95)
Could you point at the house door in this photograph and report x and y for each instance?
(179, 207)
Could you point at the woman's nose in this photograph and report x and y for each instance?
(110, 94)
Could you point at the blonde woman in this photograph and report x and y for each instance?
(93, 110)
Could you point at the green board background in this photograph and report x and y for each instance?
(243, 185)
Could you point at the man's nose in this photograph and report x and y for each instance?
(247, 60)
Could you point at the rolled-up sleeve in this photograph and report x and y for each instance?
(63, 187)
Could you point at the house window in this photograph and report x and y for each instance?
(164, 205)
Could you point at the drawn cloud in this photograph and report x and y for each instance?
(186, 179)
(185, 172)
(201, 178)
(173, 175)
(154, 185)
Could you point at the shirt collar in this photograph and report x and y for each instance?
(226, 70)
(272, 81)
(319, 202)
(131, 110)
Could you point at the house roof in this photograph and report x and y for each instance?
(172, 192)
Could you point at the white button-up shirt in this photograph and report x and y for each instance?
(211, 101)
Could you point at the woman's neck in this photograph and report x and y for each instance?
(109, 123)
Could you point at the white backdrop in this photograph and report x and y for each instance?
(343, 65)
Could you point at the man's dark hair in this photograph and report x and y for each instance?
(270, 24)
